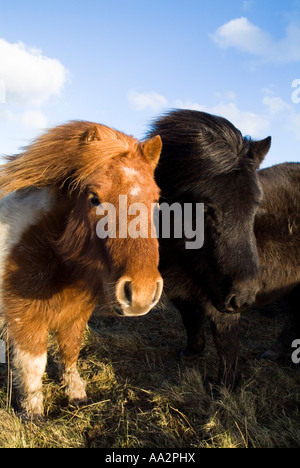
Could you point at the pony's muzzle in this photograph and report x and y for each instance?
(135, 300)
(239, 303)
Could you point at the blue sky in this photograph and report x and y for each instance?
(124, 62)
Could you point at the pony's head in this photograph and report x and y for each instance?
(206, 159)
(98, 174)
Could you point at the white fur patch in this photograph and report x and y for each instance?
(136, 190)
(29, 371)
(130, 172)
(74, 385)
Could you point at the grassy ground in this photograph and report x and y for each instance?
(141, 395)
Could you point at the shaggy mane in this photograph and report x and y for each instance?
(211, 145)
(69, 152)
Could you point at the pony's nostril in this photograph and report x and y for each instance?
(233, 303)
(128, 292)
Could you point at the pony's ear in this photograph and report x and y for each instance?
(259, 150)
(91, 134)
(152, 149)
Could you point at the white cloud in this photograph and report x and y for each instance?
(276, 105)
(248, 122)
(30, 78)
(282, 113)
(275, 111)
(2, 92)
(189, 105)
(243, 35)
(147, 100)
(33, 119)
(293, 124)
(246, 37)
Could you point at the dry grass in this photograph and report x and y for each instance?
(141, 395)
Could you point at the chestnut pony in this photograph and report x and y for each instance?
(54, 267)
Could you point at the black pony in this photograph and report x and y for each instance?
(205, 159)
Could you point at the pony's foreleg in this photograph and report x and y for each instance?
(26, 334)
(29, 369)
(69, 339)
(74, 385)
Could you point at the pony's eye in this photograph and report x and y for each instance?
(94, 200)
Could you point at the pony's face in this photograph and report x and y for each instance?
(230, 243)
(229, 261)
(115, 209)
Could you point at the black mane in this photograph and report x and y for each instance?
(209, 145)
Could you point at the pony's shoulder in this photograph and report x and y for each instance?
(26, 202)
(20, 210)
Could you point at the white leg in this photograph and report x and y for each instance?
(29, 370)
(74, 385)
